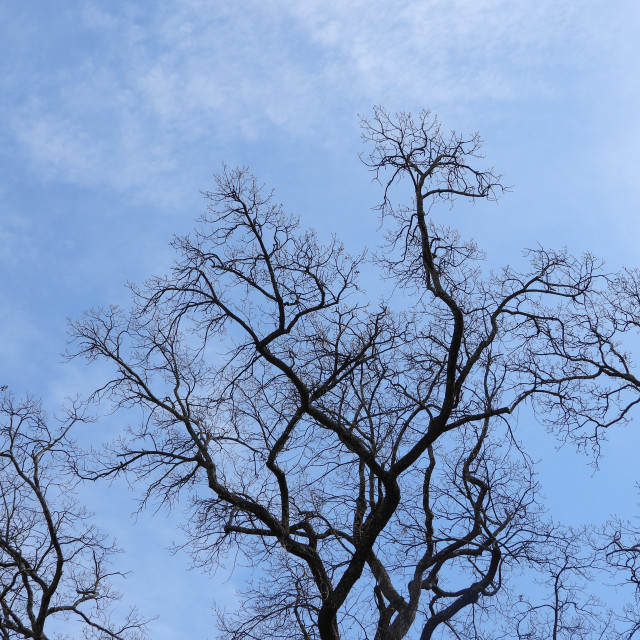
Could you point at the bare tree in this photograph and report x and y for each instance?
(564, 605)
(53, 564)
(622, 553)
(363, 454)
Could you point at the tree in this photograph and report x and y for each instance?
(622, 553)
(565, 608)
(363, 454)
(53, 564)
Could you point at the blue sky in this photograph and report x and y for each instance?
(114, 115)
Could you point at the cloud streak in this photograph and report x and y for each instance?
(145, 86)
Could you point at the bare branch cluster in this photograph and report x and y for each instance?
(364, 455)
(54, 565)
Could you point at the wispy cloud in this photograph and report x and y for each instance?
(457, 50)
(145, 86)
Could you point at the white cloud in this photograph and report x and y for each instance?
(149, 87)
(441, 51)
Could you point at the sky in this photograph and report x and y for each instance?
(114, 116)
